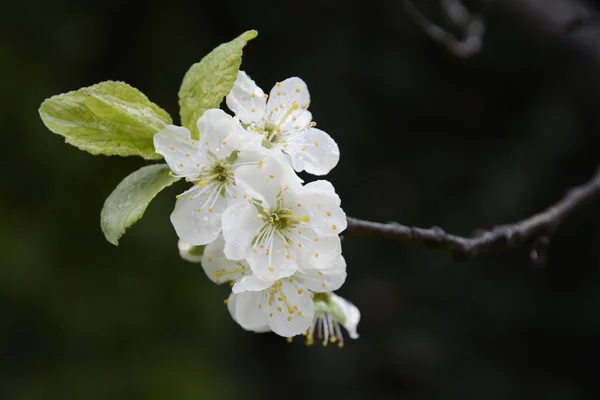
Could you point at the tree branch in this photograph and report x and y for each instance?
(539, 227)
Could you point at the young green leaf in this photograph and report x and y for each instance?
(110, 118)
(206, 83)
(127, 203)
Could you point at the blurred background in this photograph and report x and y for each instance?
(426, 138)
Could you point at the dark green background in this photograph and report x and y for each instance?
(426, 139)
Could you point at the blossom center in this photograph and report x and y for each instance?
(220, 173)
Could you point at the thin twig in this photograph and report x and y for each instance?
(539, 227)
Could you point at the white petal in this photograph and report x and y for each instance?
(220, 269)
(282, 98)
(313, 151)
(291, 309)
(179, 150)
(239, 227)
(246, 99)
(307, 247)
(265, 180)
(272, 262)
(351, 312)
(247, 311)
(322, 205)
(197, 215)
(218, 132)
(323, 280)
(251, 283)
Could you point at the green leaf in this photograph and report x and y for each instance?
(127, 203)
(110, 118)
(206, 83)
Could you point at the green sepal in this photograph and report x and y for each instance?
(206, 83)
(266, 143)
(127, 203)
(232, 157)
(110, 118)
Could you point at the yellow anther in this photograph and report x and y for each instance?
(316, 255)
(299, 232)
(303, 149)
(202, 183)
(334, 227)
(270, 304)
(271, 269)
(312, 295)
(320, 272)
(253, 110)
(286, 246)
(279, 309)
(340, 345)
(315, 239)
(278, 93)
(270, 315)
(271, 176)
(287, 256)
(293, 118)
(316, 144)
(306, 105)
(281, 198)
(245, 196)
(267, 251)
(300, 313)
(266, 211)
(299, 205)
(279, 299)
(323, 284)
(328, 214)
(225, 301)
(300, 291)
(289, 318)
(191, 198)
(304, 218)
(193, 142)
(299, 244)
(198, 209)
(313, 123)
(177, 197)
(265, 95)
(277, 84)
(170, 173)
(259, 305)
(291, 280)
(253, 95)
(297, 90)
(172, 147)
(209, 259)
(257, 234)
(224, 142)
(289, 340)
(181, 165)
(187, 155)
(297, 127)
(260, 163)
(209, 209)
(187, 179)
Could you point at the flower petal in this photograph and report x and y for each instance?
(351, 313)
(197, 215)
(272, 261)
(219, 132)
(265, 180)
(282, 98)
(247, 311)
(246, 99)
(239, 227)
(323, 280)
(175, 144)
(313, 151)
(290, 309)
(320, 202)
(251, 283)
(218, 268)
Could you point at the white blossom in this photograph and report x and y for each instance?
(283, 224)
(284, 122)
(331, 311)
(285, 306)
(210, 164)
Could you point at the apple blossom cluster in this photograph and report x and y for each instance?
(274, 238)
